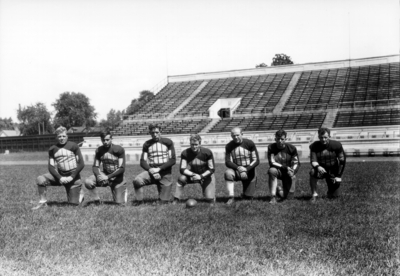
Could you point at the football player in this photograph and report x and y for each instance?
(328, 161)
(65, 165)
(112, 159)
(241, 158)
(197, 166)
(284, 163)
(157, 159)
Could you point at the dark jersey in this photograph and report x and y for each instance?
(287, 156)
(244, 154)
(68, 158)
(160, 154)
(109, 156)
(197, 162)
(328, 156)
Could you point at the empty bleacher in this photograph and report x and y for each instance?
(169, 98)
(271, 122)
(168, 126)
(362, 86)
(258, 93)
(358, 118)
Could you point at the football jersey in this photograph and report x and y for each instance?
(287, 156)
(328, 155)
(243, 154)
(109, 156)
(198, 162)
(158, 154)
(65, 158)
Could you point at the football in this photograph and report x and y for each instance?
(191, 203)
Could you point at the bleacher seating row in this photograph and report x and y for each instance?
(367, 118)
(168, 127)
(342, 87)
(293, 121)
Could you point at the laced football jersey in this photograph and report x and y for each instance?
(158, 154)
(287, 156)
(108, 156)
(244, 154)
(327, 156)
(65, 158)
(198, 162)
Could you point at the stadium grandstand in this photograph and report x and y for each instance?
(358, 99)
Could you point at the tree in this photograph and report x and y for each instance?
(74, 109)
(144, 97)
(281, 59)
(261, 65)
(113, 119)
(34, 119)
(6, 124)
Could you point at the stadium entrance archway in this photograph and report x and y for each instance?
(224, 107)
(224, 113)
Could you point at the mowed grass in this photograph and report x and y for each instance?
(357, 234)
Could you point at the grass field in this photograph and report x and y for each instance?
(357, 234)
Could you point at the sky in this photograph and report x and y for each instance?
(110, 50)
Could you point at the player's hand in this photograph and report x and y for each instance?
(195, 177)
(154, 170)
(290, 172)
(69, 179)
(338, 180)
(241, 169)
(63, 180)
(243, 176)
(157, 176)
(102, 177)
(321, 170)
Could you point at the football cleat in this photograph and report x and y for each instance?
(273, 200)
(313, 199)
(176, 201)
(40, 205)
(230, 201)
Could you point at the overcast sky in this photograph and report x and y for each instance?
(110, 50)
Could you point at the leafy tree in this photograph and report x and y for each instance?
(74, 109)
(281, 59)
(113, 119)
(261, 65)
(6, 124)
(34, 119)
(144, 97)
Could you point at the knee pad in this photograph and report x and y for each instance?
(89, 184)
(182, 180)
(41, 181)
(138, 183)
(229, 176)
(273, 172)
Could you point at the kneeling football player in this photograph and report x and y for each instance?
(65, 165)
(197, 166)
(112, 159)
(241, 158)
(284, 163)
(328, 161)
(157, 159)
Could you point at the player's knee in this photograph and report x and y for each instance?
(138, 182)
(273, 172)
(41, 181)
(229, 175)
(89, 184)
(313, 172)
(182, 180)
